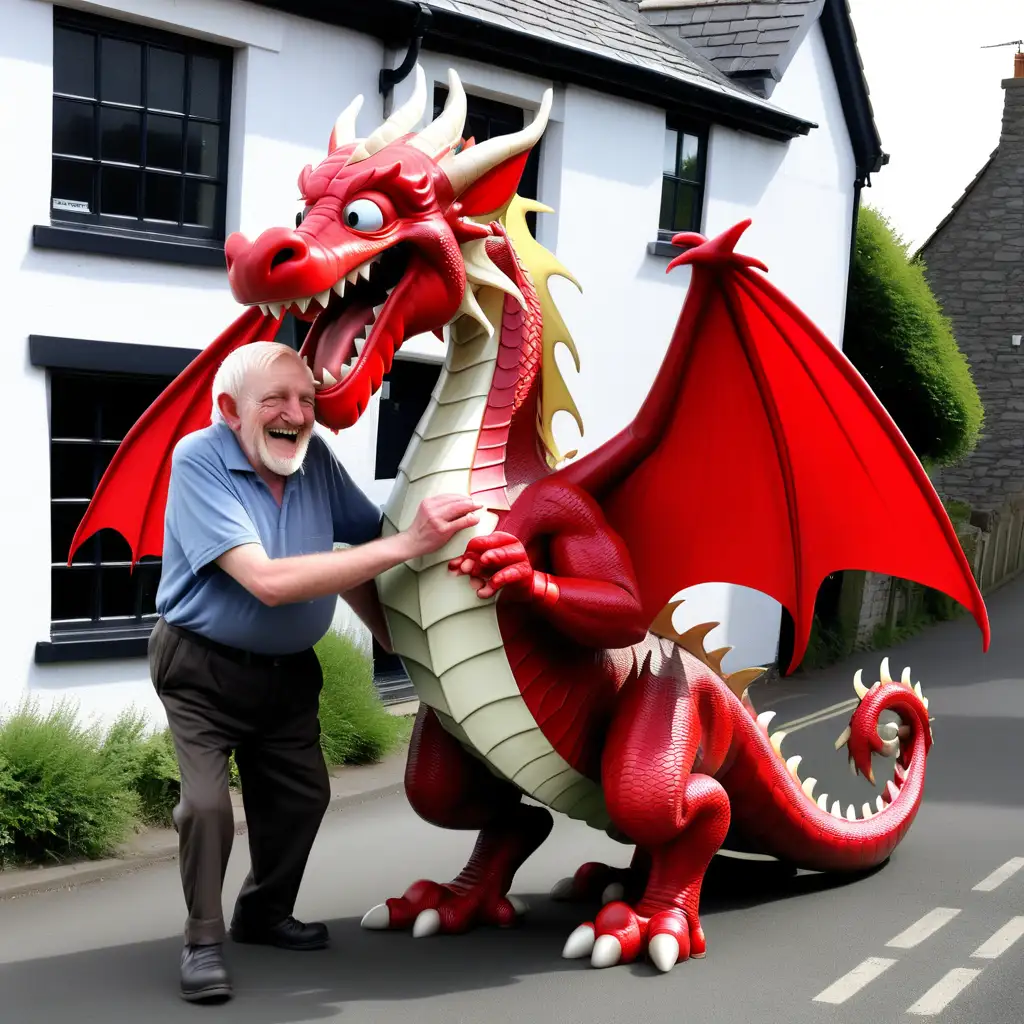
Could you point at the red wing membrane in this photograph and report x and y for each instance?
(132, 493)
(762, 458)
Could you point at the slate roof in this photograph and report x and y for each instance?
(755, 40)
(956, 206)
(613, 28)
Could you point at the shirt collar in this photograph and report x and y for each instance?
(234, 457)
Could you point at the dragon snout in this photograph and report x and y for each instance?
(279, 261)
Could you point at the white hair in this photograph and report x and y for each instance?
(257, 355)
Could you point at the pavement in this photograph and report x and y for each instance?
(937, 933)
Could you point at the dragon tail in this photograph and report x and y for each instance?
(778, 812)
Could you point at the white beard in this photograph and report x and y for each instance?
(283, 467)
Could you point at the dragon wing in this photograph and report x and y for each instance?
(132, 493)
(762, 458)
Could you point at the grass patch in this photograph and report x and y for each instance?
(70, 792)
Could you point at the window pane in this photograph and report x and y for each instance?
(671, 148)
(123, 400)
(205, 88)
(64, 520)
(668, 197)
(166, 80)
(120, 135)
(120, 71)
(147, 579)
(163, 197)
(72, 409)
(200, 203)
(119, 192)
(164, 141)
(688, 158)
(113, 547)
(72, 469)
(74, 128)
(118, 597)
(74, 62)
(203, 143)
(683, 218)
(72, 186)
(71, 593)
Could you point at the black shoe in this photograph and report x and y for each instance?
(287, 934)
(203, 974)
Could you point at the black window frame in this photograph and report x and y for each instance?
(93, 635)
(119, 235)
(674, 181)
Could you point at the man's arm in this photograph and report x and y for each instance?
(365, 602)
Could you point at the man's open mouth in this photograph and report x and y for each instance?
(342, 332)
(281, 434)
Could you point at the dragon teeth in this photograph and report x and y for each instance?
(764, 718)
(823, 801)
(303, 304)
(324, 297)
(339, 288)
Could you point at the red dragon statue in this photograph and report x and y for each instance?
(542, 648)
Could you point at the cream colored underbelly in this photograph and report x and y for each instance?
(447, 637)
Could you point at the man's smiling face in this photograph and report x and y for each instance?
(274, 414)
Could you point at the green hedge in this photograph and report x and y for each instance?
(69, 792)
(903, 345)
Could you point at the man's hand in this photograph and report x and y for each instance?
(438, 519)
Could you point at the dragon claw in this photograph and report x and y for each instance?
(663, 950)
(613, 892)
(428, 922)
(563, 889)
(580, 943)
(377, 918)
(607, 951)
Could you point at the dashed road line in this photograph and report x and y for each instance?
(1001, 941)
(850, 984)
(923, 928)
(822, 715)
(1000, 875)
(944, 991)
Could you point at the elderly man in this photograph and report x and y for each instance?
(249, 584)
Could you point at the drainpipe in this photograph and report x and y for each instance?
(390, 77)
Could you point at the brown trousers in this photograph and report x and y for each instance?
(266, 710)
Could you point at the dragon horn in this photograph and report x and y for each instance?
(446, 129)
(468, 166)
(345, 127)
(398, 124)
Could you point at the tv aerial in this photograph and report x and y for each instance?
(1013, 42)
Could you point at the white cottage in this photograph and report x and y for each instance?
(140, 133)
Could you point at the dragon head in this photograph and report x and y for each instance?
(391, 237)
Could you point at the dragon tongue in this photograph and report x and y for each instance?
(336, 344)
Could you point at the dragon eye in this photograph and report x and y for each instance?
(363, 215)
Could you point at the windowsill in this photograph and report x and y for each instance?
(663, 248)
(109, 242)
(94, 644)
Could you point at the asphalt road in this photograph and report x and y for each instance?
(917, 939)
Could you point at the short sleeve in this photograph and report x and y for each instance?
(204, 512)
(357, 520)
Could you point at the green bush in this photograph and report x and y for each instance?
(902, 344)
(356, 728)
(59, 798)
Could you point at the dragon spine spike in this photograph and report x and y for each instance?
(715, 658)
(693, 639)
(739, 681)
(345, 127)
(793, 763)
(482, 272)
(465, 168)
(776, 741)
(883, 672)
(858, 686)
(866, 812)
(765, 718)
(808, 787)
(445, 131)
(880, 803)
(918, 691)
(823, 801)
(471, 308)
(905, 678)
(844, 737)
(398, 124)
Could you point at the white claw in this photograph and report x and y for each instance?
(823, 801)
(917, 690)
(866, 812)
(844, 737)
(562, 889)
(836, 811)
(764, 718)
(809, 785)
(776, 742)
(377, 918)
(612, 892)
(579, 944)
(851, 814)
(883, 672)
(880, 803)
(606, 952)
(518, 905)
(793, 763)
(860, 689)
(663, 950)
(905, 678)
(428, 922)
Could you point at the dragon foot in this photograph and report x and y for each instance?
(595, 882)
(430, 908)
(619, 935)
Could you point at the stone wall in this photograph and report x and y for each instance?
(975, 267)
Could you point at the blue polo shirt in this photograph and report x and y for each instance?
(216, 501)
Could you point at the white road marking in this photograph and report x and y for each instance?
(941, 994)
(819, 716)
(850, 984)
(922, 929)
(1002, 940)
(1000, 875)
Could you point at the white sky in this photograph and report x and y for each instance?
(937, 99)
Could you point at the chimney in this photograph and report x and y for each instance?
(1018, 65)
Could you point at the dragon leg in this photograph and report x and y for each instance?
(678, 816)
(595, 881)
(450, 788)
